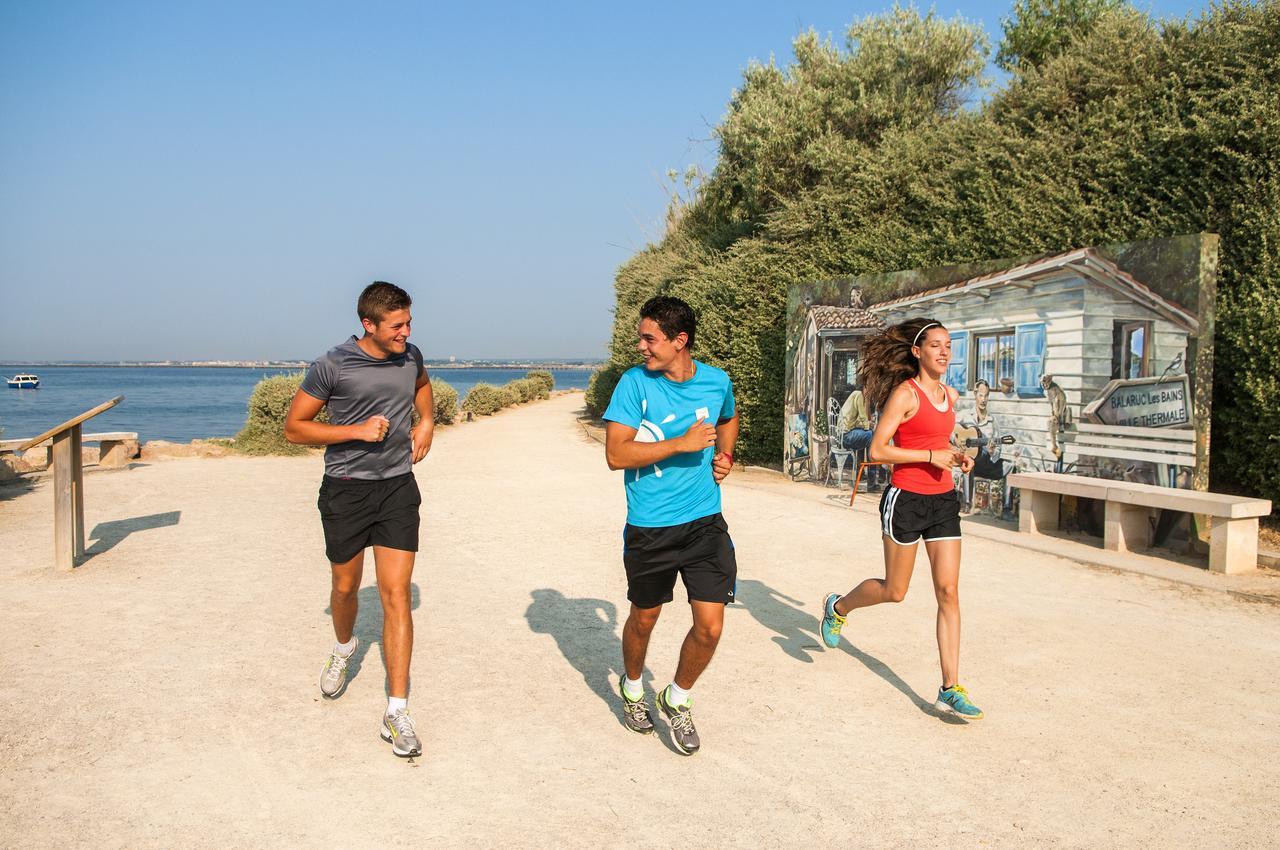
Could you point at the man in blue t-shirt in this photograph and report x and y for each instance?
(671, 428)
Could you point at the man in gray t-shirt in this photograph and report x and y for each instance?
(369, 497)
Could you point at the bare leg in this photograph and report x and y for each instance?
(944, 561)
(700, 644)
(344, 601)
(635, 639)
(395, 570)
(899, 562)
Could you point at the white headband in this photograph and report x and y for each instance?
(922, 330)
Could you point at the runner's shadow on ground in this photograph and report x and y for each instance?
(586, 632)
(799, 635)
(368, 628)
(107, 535)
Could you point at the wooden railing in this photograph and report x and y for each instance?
(68, 484)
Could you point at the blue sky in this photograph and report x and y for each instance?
(219, 180)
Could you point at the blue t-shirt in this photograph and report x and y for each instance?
(681, 488)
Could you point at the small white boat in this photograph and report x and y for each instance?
(24, 382)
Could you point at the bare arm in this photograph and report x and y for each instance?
(300, 425)
(424, 403)
(900, 407)
(623, 451)
(726, 439)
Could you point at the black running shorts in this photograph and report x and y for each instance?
(907, 516)
(357, 514)
(699, 551)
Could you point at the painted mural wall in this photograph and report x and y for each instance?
(1096, 361)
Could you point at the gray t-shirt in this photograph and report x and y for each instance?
(356, 386)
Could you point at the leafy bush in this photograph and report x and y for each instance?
(263, 431)
(862, 159)
(524, 389)
(444, 402)
(485, 400)
(545, 380)
(601, 385)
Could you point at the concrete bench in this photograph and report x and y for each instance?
(115, 448)
(1233, 534)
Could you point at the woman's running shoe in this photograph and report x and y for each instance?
(955, 700)
(832, 622)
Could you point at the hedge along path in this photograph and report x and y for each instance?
(485, 399)
(541, 565)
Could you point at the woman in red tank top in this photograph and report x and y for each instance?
(901, 373)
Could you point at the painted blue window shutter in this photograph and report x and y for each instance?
(958, 369)
(1029, 348)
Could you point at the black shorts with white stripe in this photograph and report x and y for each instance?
(906, 517)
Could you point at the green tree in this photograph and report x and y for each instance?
(865, 160)
(1038, 30)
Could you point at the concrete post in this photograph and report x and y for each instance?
(1128, 527)
(1039, 513)
(1233, 545)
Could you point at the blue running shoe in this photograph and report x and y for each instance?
(955, 700)
(832, 622)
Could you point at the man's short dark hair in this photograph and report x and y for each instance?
(380, 298)
(672, 315)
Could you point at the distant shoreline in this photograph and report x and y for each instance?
(301, 364)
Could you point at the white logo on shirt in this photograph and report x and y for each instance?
(650, 432)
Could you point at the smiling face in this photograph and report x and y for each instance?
(934, 352)
(390, 334)
(659, 351)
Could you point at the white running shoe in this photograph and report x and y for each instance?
(333, 678)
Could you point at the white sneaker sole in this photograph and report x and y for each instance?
(947, 709)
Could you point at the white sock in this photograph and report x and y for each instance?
(677, 695)
(632, 687)
(345, 649)
(395, 704)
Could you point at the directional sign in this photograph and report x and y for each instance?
(1143, 403)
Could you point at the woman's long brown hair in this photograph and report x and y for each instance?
(887, 360)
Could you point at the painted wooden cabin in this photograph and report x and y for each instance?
(1075, 317)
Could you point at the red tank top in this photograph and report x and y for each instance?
(930, 428)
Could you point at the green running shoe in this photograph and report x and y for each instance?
(955, 700)
(832, 622)
(683, 735)
(635, 712)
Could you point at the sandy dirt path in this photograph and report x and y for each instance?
(164, 694)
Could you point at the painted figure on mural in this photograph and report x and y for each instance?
(857, 425)
(988, 465)
(1059, 416)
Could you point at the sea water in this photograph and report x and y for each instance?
(176, 403)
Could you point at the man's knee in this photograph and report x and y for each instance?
(345, 587)
(894, 594)
(642, 620)
(395, 600)
(706, 629)
(948, 595)
(707, 633)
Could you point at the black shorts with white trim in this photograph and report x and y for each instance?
(906, 517)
